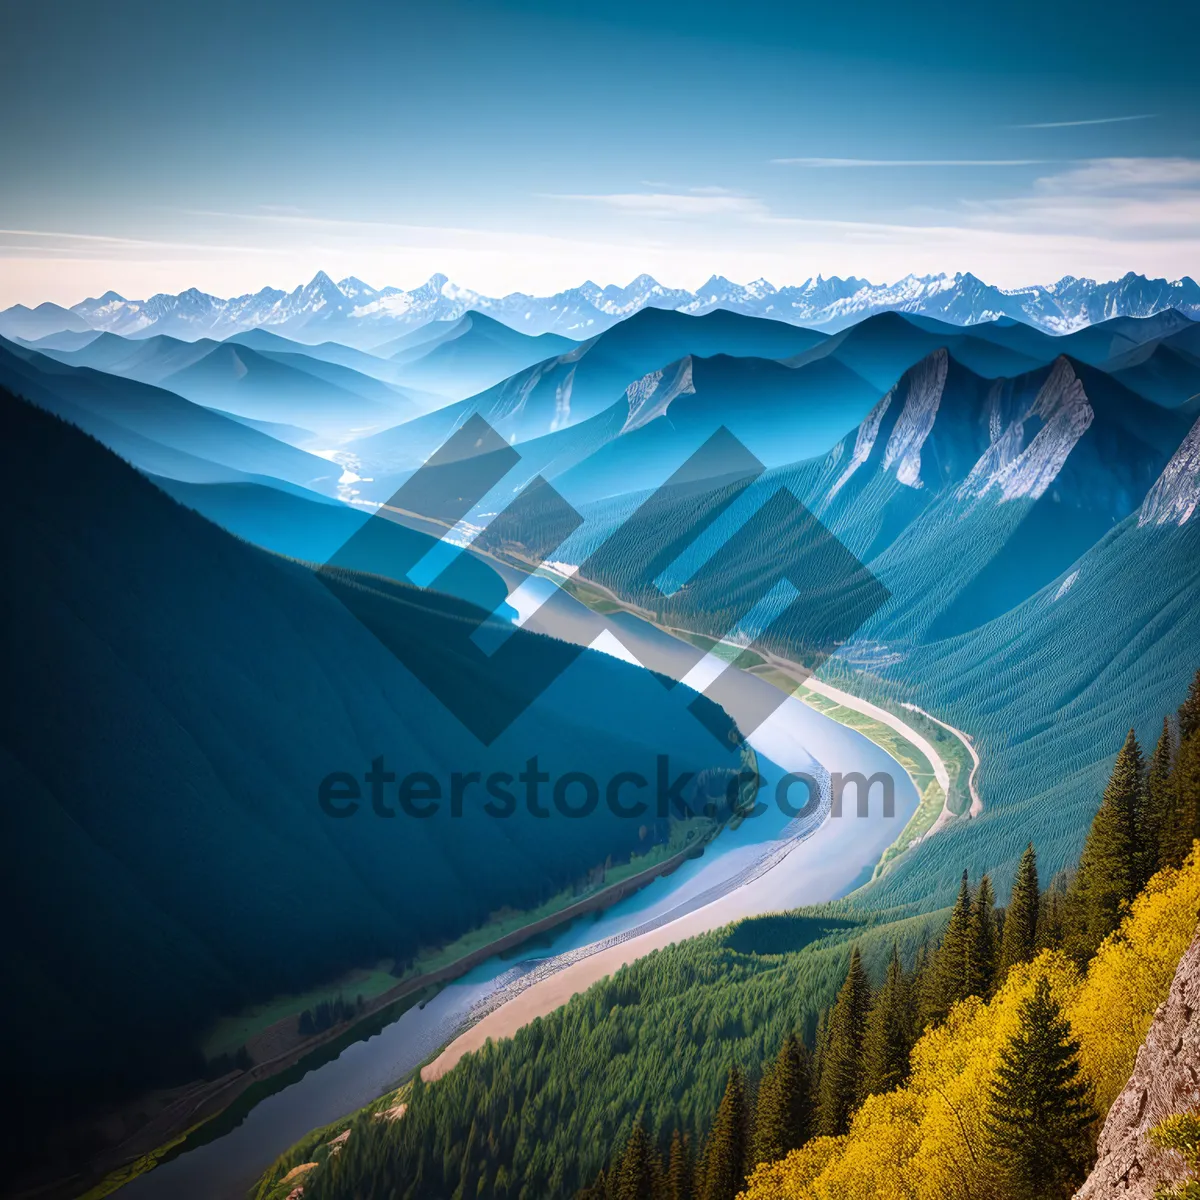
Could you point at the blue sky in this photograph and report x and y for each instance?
(530, 145)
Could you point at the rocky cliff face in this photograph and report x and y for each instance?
(1174, 498)
(1165, 1080)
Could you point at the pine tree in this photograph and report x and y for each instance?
(501, 1188)
(820, 1047)
(467, 1177)
(725, 1155)
(981, 947)
(681, 1171)
(1040, 1113)
(948, 976)
(841, 1070)
(804, 1115)
(1189, 710)
(919, 985)
(1018, 942)
(1052, 913)
(889, 1034)
(1185, 794)
(639, 1170)
(766, 1135)
(1164, 835)
(1111, 866)
(598, 1189)
(783, 1111)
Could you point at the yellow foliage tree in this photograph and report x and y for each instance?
(791, 1178)
(928, 1140)
(1130, 976)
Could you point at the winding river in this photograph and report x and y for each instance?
(767, 863)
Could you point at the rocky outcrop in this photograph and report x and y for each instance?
(1165, 1080)
(926, 383)
(1173, 499)
(651, 396)
(1019, 468)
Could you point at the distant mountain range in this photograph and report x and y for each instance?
(354, 313)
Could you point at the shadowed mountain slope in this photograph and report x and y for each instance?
(46, 319)
(148, 360)
(268, 388)
(175, 698)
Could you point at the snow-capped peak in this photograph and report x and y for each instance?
(353, 288)
(359, 314)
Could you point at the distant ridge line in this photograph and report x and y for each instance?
(360, 315)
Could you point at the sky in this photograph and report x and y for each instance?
(529, 145)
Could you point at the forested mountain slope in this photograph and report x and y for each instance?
(1038, 541)
(175, 697)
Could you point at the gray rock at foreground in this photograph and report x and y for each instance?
(1165, 1080)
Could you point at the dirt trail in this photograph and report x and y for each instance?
(976, 800)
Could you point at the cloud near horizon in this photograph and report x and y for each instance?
(695, 202)
(1119, 198)
(1098, 217)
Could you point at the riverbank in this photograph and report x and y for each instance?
(187, 1112)
(941, 761)
(935, 780)
(969, 744)
(812, 860)
(941, 775)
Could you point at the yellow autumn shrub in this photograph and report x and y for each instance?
(1130, 977)
(881, 1159)
(791, 1178)
(927, 1140)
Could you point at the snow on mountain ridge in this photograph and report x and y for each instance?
(359, 314)
(864, 443)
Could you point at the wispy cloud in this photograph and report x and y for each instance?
(696, 202)
(42, 241)
(1126, 175)
(1090, 121)
(1123, 199)
(912, 162)
(1099, 217)
(674, 187)
(76, 237)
